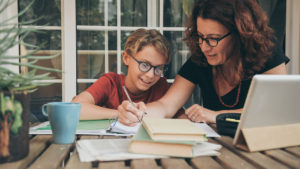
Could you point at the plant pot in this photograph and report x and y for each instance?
(18, 142)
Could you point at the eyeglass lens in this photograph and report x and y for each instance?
(145, 67)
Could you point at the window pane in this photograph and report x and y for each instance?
(47, 11)
(91, 57)
(46, 39)
(90, 12)
(178, 52)
(176, 12)
(112, 61)
(43, 95)
(50, 43)
(134, 13)
(112, 40)
(90, 40)
(124, 37)
(90, 64)
(83, 86)
(112, 13)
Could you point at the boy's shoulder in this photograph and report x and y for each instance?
(162, 82)
(113, 76)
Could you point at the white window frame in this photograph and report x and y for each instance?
(68, 30)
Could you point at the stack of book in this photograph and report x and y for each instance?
(172, 137)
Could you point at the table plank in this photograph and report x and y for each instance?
(143, 164)
(231, 160)
(74, 162)
(111, 165)
(174, 163)
(89, 137)
(52, 157)
(36, 146)
(205, 163)
(256, 158)
(284, 157)
(294, 150)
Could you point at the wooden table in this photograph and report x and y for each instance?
(45, 155)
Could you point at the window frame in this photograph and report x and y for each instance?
(69, 50)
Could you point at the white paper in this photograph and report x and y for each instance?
(207, 129)
(121, 128)
(117, 149)
(107, 150)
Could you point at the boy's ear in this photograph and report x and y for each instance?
(125, 58)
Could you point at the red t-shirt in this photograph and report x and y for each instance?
(108, 92)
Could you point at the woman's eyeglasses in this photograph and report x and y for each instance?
(212, 42)
(145, 67)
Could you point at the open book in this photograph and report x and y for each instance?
(100, 127)
(85, 127)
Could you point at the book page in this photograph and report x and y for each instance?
(85, 127)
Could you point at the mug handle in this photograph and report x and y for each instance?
(44, 111)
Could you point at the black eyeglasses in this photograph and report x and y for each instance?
(212, 42)
(145, 67)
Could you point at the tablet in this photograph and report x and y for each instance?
(272, 100)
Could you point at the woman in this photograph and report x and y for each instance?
(230, 42)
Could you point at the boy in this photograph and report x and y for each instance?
(146, 53)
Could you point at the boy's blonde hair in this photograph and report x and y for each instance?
(142, 38)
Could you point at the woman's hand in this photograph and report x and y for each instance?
(197, 113)
(131, 114)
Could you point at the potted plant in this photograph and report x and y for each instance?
(14, 87)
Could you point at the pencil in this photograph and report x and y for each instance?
(128, 97)
(232, 120)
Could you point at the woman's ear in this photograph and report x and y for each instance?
(125, 58)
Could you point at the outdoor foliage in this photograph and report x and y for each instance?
(12, 34)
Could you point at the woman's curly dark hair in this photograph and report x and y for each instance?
(253, 39)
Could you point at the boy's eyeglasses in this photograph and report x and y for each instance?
(212, 42)
(145, 67)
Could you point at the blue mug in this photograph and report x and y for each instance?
(64, 118)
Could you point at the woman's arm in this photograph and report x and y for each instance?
(90, 111)
(198, 113)
(173, 100)
(166, 107)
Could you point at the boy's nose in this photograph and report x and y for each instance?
(150, 73)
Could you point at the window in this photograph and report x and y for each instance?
(89, 36)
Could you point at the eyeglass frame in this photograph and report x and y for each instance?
(207, 39)
(165, 68)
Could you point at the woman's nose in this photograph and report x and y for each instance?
(204, 46)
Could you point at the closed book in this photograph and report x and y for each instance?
(143, 144)
(173, 129)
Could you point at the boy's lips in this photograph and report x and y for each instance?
(146, 82)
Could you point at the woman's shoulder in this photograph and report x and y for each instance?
(194, 72)
(191, 68)
(278, 57)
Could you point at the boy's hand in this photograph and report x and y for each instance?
(131, 114)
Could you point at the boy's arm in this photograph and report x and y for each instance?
(90, 111)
